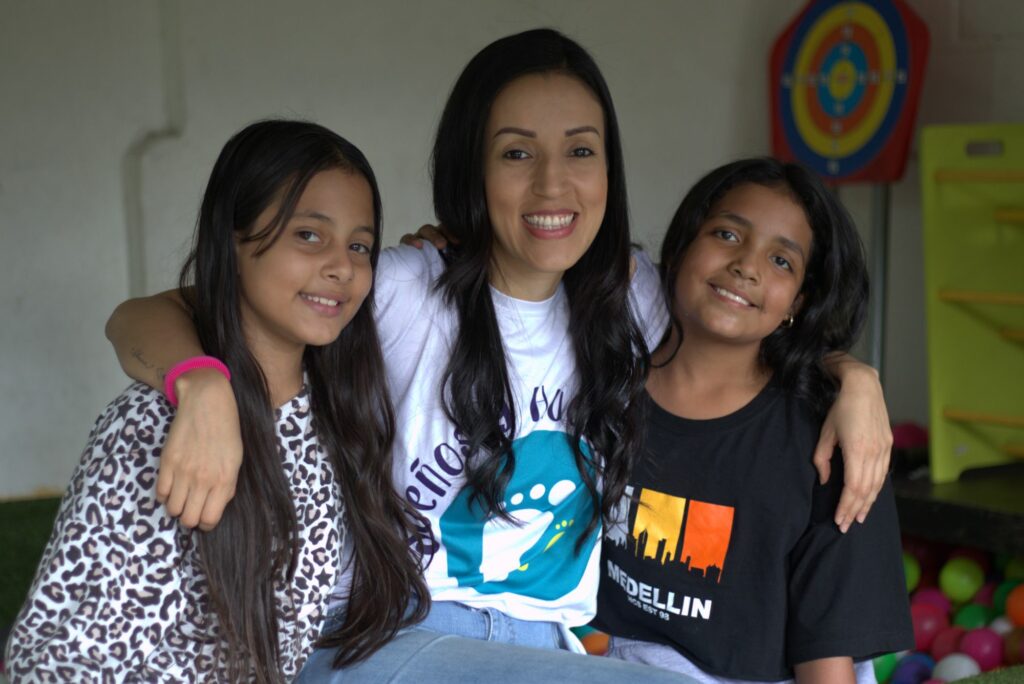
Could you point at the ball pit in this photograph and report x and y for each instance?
(967, 609)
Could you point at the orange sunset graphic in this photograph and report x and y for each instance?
(672, 529)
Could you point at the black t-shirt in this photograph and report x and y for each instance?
(729, 553)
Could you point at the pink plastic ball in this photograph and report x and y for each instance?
(934, 681)
(947, 641)
(934, 596)
(984, 595)
(928, 621)
(985, 646)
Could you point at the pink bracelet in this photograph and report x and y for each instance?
(188, 365)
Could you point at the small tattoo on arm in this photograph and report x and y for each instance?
(137, 355)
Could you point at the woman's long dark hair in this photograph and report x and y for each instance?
(835, 287)
(610, 352)
(255, 542)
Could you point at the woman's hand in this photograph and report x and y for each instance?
(435, 235)
(203, 453)
(859, 424)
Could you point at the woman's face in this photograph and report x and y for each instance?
(546, 179)
(309, 284)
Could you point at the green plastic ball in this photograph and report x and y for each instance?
(961, 578)
(911, 571)
(972, 616)
(884, 665)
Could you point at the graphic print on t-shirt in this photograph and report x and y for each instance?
(670, 529)
(536, 555)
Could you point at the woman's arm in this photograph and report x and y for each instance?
(859, 424)
(825, 671)
(200, 460)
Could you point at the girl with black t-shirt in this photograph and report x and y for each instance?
(725, 562)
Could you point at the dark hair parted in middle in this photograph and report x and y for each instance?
(835, 287)
(256, 539)
(610, 353)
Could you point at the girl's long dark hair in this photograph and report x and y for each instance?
(610, 352)
(835, 287)
(255, 542)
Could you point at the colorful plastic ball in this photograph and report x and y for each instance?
(985, 646)
(955, 666)
(884, 665)
(928, 621)
(972, 616)
(934, 596)
(1015, 605)
(934, 681)
(1001, 625)
(1014, 569)
(911, 571)
(947, 641)
(913, 669)
(1013, 647)
(982, 558)
(1000, 594)
(985, 594)
(960, 579)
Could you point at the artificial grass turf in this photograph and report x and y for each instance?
(1007, 675)
(24, 530)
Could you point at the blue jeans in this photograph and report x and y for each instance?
(424, 654)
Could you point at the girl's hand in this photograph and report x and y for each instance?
(203, 453)
(435, 235)
(859, 424)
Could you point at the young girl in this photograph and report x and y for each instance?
(516, 363)
(725, 562)
(287, 239)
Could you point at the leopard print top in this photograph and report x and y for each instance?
(119, 595)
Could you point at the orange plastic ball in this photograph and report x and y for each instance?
(1015, 606)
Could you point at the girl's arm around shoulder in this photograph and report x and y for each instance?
(859, 424)
(152, 334)
(203, 453)
(106, 590)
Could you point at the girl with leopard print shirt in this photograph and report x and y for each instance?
(287, 240)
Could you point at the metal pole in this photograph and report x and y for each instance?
(879, 273)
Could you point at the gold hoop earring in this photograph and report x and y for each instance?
(787, 322)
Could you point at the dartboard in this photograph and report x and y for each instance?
(846, 76)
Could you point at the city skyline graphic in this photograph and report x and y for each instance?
(672, 529)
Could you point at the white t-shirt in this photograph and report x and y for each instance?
(528, 571)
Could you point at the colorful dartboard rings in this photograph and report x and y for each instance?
(846, 76)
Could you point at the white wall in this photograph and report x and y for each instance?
(113, 111)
